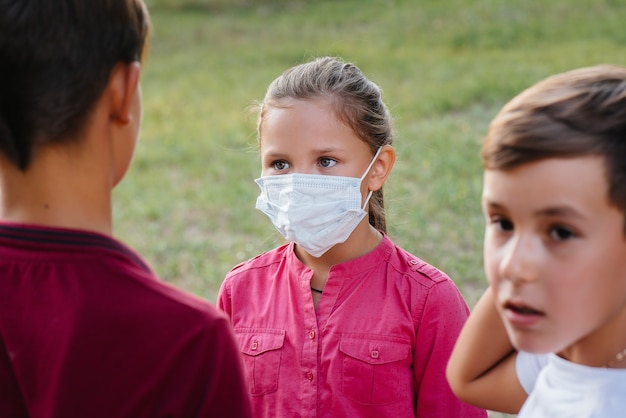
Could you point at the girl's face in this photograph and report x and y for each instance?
(306, 137)
(555, 256)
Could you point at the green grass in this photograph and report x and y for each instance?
(446, 67)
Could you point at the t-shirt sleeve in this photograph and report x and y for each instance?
(527, 367)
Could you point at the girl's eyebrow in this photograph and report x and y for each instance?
(273, 154)
(326, 151)
(276, 153)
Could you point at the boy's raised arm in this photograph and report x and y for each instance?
(481, 370)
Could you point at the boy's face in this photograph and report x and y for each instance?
(555, 254)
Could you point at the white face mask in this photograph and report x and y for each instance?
(315, 211)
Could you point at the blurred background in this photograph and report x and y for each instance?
(445, 66)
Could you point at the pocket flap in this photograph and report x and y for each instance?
(259, 340)
(374, 351)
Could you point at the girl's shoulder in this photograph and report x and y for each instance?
(414, 267)
(262, 260)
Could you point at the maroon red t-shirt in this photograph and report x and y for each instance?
(87, 330)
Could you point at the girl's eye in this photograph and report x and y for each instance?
(280, 165)
(561, 233)
(327, 162)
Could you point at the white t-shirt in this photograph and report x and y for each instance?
(558, 388)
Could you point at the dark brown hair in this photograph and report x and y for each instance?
(573, 114)
(56, 57)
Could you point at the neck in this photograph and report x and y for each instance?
(74, 197)
(603, 347)
(364, 239)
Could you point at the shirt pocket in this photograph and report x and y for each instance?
(261, 349)
(376, 370)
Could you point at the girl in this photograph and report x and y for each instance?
(339, 322)
(549, 332)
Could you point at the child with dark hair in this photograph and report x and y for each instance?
(86, 328)
(550, 332)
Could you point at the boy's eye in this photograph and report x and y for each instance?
(502, 224)
(560, 233)
(280, 165)
(327, 162)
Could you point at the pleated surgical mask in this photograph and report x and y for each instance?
(315, 211)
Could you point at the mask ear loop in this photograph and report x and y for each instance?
(369, 195)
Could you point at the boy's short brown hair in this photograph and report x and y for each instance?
(573, 114)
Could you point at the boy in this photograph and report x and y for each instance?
(86, 328)
(549, 332)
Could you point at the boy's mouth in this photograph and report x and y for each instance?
(521, 309)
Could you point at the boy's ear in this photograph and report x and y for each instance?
(123, 84)
(381, 168)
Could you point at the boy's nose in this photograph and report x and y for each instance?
(520, 259)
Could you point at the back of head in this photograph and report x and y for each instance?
(357, 102)
(55, 60)
(574, 114)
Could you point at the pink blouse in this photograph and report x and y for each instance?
(377, 346)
